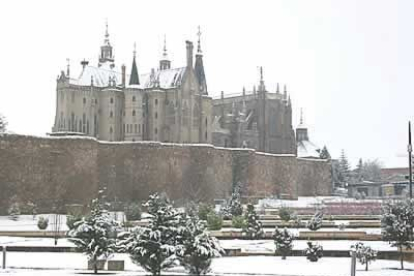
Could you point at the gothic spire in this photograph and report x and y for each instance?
(134, 79)
(106, 48)
(165, 63)
(199, 67)
(277, 89)
(301, 116)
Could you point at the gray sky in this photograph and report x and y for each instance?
(348, 64)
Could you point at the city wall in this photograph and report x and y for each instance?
(70, 170)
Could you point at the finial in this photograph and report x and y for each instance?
(164, 54)
(199, 40)
(285, 90)
(91, 80)
(301, 116)
(106, 28)
(135, 49)
(277, 88)
(68, 67)
(261, 73)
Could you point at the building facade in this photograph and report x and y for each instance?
(168, 104)
(259, 119)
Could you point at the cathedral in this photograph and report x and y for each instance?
(169, 105)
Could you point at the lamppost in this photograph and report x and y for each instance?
(410, 150)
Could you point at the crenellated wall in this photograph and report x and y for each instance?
(70, 170)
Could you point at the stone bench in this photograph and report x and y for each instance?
(116, 265)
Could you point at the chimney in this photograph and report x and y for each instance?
(123, 74)
(189, 53)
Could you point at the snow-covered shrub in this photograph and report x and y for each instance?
(42, 223)
(214, 221)
(30, 208)
(238, 222)
(153, 247)
(253, 228)
(314, 252)
(283, 241)
(234, 208)
(204, 209)
(365, 254)
(285, 213)
(315, 222)
(14, 211)
(296, 221)
(71, 220)
(196, 247)
(397, 224)
(341, 226)
(133, 211)
(95, 235)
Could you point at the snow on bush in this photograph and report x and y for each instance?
(365, 254)
(14, 211)
(153, 247)
(285, 213)
(95, 235)
(314, 252)
(234, 208)
(283, 242)
(397, 224)
(42, 223)
(133, 211)
(196, 247)
(253, 228)
(315, 222)
(214, 221)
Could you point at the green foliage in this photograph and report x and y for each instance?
(71, 220)
(196, 247)
(285, 213)
(238, 222)
(153, 247)
(204, 210)
(283, 241)
(96, 234)
(253, 228)
(314, 252)
(133, 212)
(397, 224)
(214, 221)
(14, 211)
(42, 223)
(365, 254)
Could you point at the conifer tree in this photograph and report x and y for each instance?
(234, 208)
(324, 153)
(283, 241)
(344, 167)
(196, 247)
(253, 228)
(153, 247)
(96, 234)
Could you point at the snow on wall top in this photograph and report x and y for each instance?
(170, 78)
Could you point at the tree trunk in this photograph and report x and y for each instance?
(283, 257)
(366, 266)
(402, 257)
(95, 265)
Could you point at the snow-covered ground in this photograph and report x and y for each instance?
(62, 264)
(246, 245)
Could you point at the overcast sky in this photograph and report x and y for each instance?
(348, 64)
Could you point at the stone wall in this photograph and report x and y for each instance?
(66, 170)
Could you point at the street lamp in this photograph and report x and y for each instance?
(410, 150)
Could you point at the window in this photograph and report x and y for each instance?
(73, 97)
(112, 100)
(111, 114)
(205, 134)
(133, 98)
(139, 128)
(156, 115)
(96, 101)
(84, 100)
(156, 101)
(156, 131)
(123, 128)
(133, 140)
(111, 130)
(206, 122)
(133, 112)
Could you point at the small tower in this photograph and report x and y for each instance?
(165, 63)
(199, 67)
(134, 79)
(106, 49)
(301, 130)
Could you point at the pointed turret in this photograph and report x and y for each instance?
(134, 79)
(277, 89)
(106, 49)
(165, 63)
(301, 129)
(199, 67)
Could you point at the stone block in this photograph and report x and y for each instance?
(116, 265)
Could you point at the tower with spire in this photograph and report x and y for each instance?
(134, 78)
(106, 54)
(199, 66)
(165, 62)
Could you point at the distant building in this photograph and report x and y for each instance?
(305, 148)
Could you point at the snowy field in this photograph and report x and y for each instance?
(62, 264)
(246, 245)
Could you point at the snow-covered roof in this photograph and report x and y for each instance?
(169, 78)
(307, 149)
